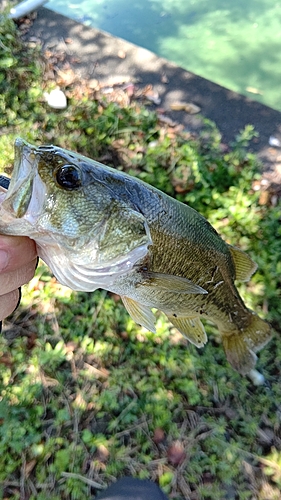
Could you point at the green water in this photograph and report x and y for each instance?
(235, 43)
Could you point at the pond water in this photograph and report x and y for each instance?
(235, 43)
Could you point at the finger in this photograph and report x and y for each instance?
(12, 280)
(15, 252)
(8, 303)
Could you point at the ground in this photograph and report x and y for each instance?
(84, 405)
(100, 56)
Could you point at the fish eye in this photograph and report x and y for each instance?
(68, 177)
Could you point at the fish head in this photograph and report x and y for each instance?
(71, 206)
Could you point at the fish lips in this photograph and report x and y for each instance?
(25, 196)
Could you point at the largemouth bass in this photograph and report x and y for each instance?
(97, 227)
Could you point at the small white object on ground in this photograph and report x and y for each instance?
(56, 99)
(23, 8)
(256, 377)
(274, 142)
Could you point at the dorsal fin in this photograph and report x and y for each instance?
(244, 265)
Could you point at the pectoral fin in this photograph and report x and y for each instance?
(171, 283)
(141, 314)
(244, 265)
(191, 328)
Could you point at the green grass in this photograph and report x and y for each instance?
(84, 392)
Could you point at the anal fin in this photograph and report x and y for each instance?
(191, 328)
(141, 314)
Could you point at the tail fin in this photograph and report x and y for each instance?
(240, 347)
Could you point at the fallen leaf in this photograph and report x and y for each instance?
(29, 467)
(121, 54)
(176, 453)
(93, 83)
(6, 360)
(102, 453)
(96, 372)
(178, 106)
(188, 107)
(158, 436)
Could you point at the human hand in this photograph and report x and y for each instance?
(18, 259)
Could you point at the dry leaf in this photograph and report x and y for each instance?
(158, 436)
(121, 54)
(29, 467)
(102, 453)
(192, 109)
(175, 453)
(96, 372)
(188, 107)
(178, 106)
(6, 360)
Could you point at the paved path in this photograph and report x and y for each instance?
(104, 57)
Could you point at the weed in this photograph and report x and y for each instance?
(83, 390)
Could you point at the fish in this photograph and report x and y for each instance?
(98, 227)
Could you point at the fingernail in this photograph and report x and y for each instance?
(4, 259)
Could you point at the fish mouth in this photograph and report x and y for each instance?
(21, 209)
(25, 195)
(20, 189)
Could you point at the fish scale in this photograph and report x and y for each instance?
(98, 227)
